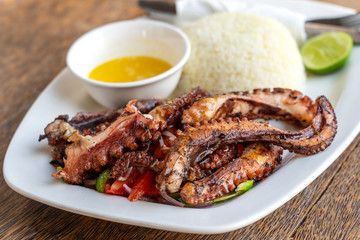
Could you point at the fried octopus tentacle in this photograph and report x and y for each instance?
(280, 104)
(90, 154)
(257, 161)
(205, 137)
(172, 112)
(135, 159)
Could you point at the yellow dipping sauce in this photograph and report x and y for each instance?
(129, 69)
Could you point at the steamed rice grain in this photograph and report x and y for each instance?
(240, 51)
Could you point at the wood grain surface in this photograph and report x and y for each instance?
(34, 38)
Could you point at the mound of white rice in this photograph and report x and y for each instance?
(240, 51)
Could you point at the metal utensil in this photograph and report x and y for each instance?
(158, 5)
(313, 27)
(349, 21)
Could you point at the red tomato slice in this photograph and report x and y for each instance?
(152, 191)
(158, 154)
(142, 185)
(107, 186)
(118, 186)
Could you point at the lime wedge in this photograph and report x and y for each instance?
(326, 52)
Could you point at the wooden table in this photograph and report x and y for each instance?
(34, 38)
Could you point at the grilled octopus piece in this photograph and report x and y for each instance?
(257, 161)
(217, 159)
(60, 129)
(135, 159)
(89, 120)
(196, 172)
(87, 123)
(145, 106)
(280, 104)
(220, 157)
(57, 133)
(142, 159)
(172, 111)
(90, 154)
(201, 140)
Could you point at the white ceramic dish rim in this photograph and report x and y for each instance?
(213, 220)
(143, 82)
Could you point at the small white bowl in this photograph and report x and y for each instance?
(140, 37)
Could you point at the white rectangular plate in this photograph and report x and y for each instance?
(27, 169)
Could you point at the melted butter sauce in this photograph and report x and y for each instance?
(129, 69)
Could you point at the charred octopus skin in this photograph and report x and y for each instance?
(205, 137)
(220, 157)
(88, 154)
(89, 120)
(256, 162)
(279, 104)
(88, 123)
(172, 111)
(135, 159)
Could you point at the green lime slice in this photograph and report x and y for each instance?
(326, 52)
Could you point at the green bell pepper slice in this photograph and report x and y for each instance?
(101, 180)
